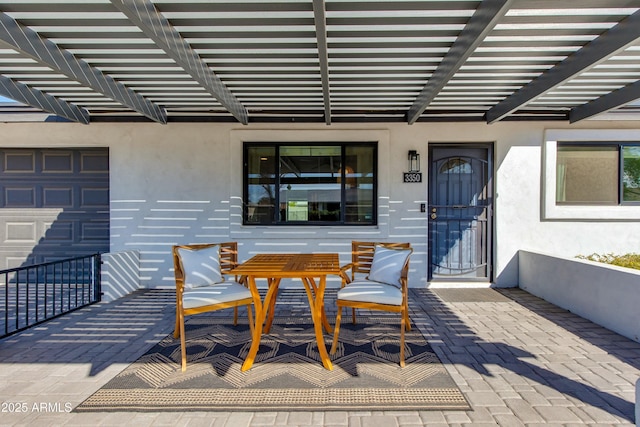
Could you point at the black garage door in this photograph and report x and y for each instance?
(54, 204)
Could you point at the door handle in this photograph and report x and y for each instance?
(433, 213)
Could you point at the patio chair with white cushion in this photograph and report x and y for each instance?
(202, 285)
(378, 281)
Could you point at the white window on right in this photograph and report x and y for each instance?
(590, 173)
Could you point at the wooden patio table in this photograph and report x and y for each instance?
(273, 268)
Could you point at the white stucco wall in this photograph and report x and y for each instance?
(180, 183)
(119, 274)
(605, 294)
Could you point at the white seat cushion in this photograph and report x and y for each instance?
(201, 267)
(369, 291)
(387, 265)
(214, 294)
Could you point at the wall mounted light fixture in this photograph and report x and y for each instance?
(414, 161)
(414, 174)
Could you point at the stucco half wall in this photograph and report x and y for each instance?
(607, 295)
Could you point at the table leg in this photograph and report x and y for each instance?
(325, 322)
(272, 304)
(316, 306)
(260, 308)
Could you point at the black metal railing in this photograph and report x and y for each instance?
(34, 294)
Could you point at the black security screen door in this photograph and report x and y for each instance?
(460, 200)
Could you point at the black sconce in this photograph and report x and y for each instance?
(414, 174)
(414, 161)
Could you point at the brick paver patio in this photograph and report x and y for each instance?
(519, 360)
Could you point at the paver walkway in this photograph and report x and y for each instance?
(519, 360)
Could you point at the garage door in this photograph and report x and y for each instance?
(54, 204)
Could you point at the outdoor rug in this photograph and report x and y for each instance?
(287, 374)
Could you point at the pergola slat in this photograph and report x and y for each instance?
(320, 20)
(155, 26)
(625, 33)
(38, 99)
(30, 43)
(606, 102)
(481, 23)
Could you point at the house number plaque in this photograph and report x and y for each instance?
(412, 177)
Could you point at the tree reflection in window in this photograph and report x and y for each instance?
(310, 183)
(455, 165)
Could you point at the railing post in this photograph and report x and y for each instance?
(17, 299)
(6, 303)
(637, 401)
(97, 287)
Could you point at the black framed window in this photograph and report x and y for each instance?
(598, 173)
(310, 183)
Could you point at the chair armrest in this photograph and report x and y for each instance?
(239, 279)
(228, 268)
(343, 273)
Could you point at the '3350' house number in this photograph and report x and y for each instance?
(412, 176)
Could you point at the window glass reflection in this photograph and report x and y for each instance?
(319, 183)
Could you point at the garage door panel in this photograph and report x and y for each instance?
(94, 163)
(61, 197)
(95, 231)
(19, 162)
(13, 261)
(54, 204)
(94, 197)
(20, 232)
(17, 224)
(20, 197)
(57, 162)
(60, 231)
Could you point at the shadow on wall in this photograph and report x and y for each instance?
(120, 274)
(74, 235)
(58, 267)
(508, 276)
(71, 234)
(54, 204)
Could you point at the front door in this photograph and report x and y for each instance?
(460, 201)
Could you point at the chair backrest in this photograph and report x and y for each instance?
(228, 258)
(362, 255)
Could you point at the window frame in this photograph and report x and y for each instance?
(278, 176)
(619, 148)
(550, 211)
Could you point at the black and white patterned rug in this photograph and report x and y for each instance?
(287, 374)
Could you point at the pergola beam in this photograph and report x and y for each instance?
(38, 99)
(154, 25)
(607, 102)
(625, 33)
(480, 24)
(320, 19)
(30, 43)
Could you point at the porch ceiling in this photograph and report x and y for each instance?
(319, 60)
